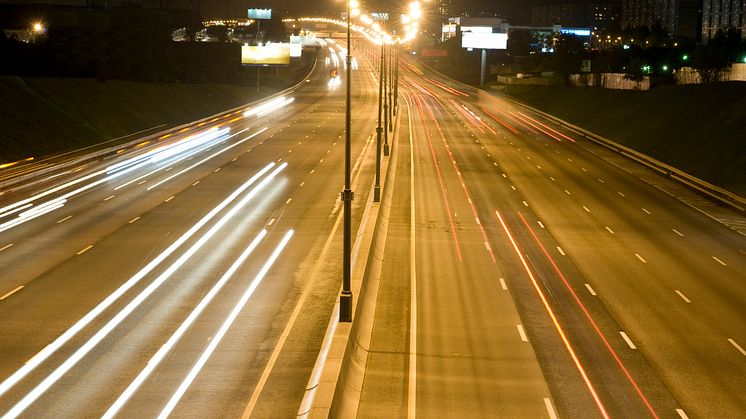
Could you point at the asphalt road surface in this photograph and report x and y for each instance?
(527, 272)
(549, 276)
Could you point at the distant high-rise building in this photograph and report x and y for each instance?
(574, 15)
(677, 17)
(722, 15)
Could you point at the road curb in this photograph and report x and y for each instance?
(336, 382)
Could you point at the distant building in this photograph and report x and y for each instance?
(603, 17)
(722, 15)
(677, 17)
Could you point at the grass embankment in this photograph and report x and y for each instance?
(700, 129)
(44, 116)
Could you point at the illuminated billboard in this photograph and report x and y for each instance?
(268, 55)
(265, 14)
(480, 40)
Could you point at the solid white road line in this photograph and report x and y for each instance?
(522, 333)
(550, 408)
(682, 414)
(412, 373)
(683, 297)
(85, 249)
(8, 294)
(740, 349)
(628, 340)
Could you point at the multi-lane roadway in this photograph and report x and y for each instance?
(526, 271)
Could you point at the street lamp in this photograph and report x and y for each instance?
(345, 297)
(379, 129)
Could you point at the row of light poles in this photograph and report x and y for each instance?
(388, 100)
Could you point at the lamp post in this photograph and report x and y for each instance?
(345, 297)
(396, 80)
(379, 129)
(385, 82)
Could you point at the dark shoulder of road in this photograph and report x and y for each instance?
(696, 128)
(43, 116)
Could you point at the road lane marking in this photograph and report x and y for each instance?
(525, 204)
(169, 198)
(272, 221)
(522, 333)
(207, 353)
(584, 169)
(503, 285)
(609, 229)
(110, 197)
(555, 321)
(682, 296)
(412, 373)
(235, 158)
(288, 201)
(477, 220)
(133, 220)
(621, 194)
(541, 224)
(6, 246)
(8, 294)
(740, 349)
(590, 289)
(141, 182)
(567, 192)
(538, 167)
(682, 414)
(720, 261)
(646, 211)
(553, 179)
(168, 168)
(628, 340)
(550, 408)
(216, 170)
(586, 209)
(512, 187)
(64, 219)
(601, 180)
(487, 246)
(313, 171)
(562, 252)
(505, 176)
(677, 232)
(176, 336)
(301, 184)
(85, 249)
(642, 259)
(195, 183)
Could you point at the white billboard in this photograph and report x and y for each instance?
(482, 40)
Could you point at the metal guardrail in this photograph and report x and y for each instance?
(711, 191)
(6, 184)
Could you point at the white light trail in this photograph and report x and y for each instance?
(42, 387)
(29, 366)
(206, 159)
(224, 328)
(163, 351)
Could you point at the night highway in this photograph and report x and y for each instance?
(527, 272)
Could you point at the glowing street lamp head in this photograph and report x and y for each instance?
(37, 27)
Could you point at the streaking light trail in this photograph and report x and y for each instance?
(224, 328)
(45, 353)
(163, 351)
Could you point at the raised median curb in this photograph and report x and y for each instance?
(336, 382)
